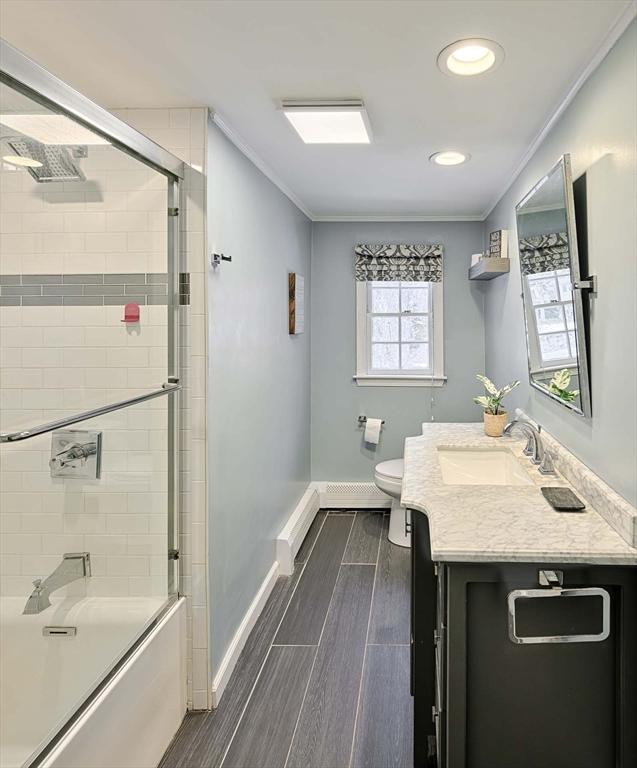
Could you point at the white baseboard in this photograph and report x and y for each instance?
(326, 495)
(296, 528)
(354, 495)
(231, 657)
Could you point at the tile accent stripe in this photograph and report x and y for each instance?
(97, 289)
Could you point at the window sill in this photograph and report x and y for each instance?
(371, 380)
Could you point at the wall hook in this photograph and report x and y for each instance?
(131, 313)
(217, 258)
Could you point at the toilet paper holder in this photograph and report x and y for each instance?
(363, 420)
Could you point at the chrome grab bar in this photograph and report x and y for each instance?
(172, 385)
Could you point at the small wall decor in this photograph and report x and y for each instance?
(296, 303)
(499, 244)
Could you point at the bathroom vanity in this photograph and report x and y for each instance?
(524, 619)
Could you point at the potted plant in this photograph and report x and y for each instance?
(559, 386)
(495, 418)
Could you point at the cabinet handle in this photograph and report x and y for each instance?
(557, 592)
(407, 522)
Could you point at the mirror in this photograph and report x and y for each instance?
(552, 290)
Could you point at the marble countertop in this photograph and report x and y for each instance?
(490, 523)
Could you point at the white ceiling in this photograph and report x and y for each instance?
(239, 57)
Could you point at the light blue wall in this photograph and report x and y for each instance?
(338, 452)
(598, 129)
(261, 408)
(259, 381)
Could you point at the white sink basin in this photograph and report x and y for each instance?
(481, 466)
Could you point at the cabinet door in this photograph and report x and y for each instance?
(423, 624)
(540, 705)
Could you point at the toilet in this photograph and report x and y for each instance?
(388, 476)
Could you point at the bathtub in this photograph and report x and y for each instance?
(138, 709)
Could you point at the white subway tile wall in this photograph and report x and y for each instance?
(60, 355)
(64, 358)
(184, 132)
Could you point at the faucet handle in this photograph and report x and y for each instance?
(547, 467)
(36, 583)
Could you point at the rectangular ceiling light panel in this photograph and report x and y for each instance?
(52, 129)
(329, 122)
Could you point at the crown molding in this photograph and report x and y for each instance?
(389, 217)
(265, 169)
(616, 31)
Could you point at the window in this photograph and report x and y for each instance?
(399, 333)
(552, 320)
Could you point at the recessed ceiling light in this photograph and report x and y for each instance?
(328, 121)
(451, 157)
(470, 57)
(52, 129)
(24, 162)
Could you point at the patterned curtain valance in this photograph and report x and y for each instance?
(544, 253)
(399, 262)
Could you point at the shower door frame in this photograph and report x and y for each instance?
(26, 76)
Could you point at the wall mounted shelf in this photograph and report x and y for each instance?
(489, 268)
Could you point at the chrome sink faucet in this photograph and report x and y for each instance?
(534, 445)
(74, 565)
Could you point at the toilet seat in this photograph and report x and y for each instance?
(392, 469)
(388, 476)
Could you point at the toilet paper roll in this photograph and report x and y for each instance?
(372, 431)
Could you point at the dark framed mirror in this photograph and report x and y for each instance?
(552, 290)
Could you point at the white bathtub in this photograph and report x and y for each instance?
(43, 678)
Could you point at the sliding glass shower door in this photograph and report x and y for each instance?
(89, 389)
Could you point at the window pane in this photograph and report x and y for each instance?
(385, 283)
(564, 279)
(554, 346)
(570, 320)
(414, 328)
(385, 357)
(384, 329)
(550, 319)
(415, 356)
(385, 300)
(415, 299)
(543, 291)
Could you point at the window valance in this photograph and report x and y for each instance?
(544, 253)
(399, 262)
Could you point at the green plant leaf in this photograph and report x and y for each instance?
(485, 402)
(488, 384)
(562, 379)
(559, 384)
(509, 387)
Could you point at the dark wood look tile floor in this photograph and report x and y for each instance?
(323, 680)
(391, 597)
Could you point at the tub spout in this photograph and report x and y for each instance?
(74, 565)
(38, 600)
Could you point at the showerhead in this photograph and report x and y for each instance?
(57, 162)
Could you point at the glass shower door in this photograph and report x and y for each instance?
(88, 413)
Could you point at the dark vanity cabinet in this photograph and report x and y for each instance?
(522, 665)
